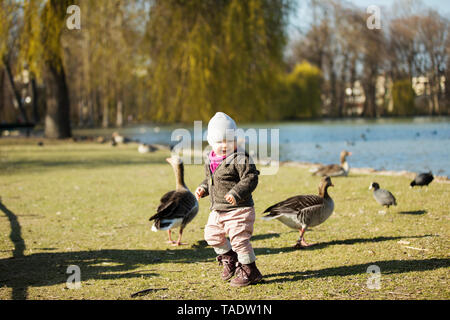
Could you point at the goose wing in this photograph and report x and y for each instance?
(175, 205)
(294, 206)
(165, 201)
(328, 170)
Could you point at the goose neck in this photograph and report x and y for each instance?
(323, 192)
(179, 176)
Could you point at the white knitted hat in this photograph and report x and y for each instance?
(218, 127)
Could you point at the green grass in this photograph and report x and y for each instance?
(88, 204)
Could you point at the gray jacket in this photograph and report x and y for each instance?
(236, 175)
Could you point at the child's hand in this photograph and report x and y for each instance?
(230, 199)
(199, 192)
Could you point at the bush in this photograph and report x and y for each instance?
(302, 92)
(403, 97)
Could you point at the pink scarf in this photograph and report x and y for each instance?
(215, 161)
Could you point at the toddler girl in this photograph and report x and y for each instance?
(230, 180)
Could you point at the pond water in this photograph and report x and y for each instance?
(417, 145)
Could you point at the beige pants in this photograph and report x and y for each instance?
(238, 225)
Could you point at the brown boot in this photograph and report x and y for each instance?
(246, 274)
(228, 260)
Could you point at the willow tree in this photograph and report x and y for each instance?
(9, 36)
(5, 18)
(209, 55)
(41, 49)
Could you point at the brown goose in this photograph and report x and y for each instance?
(301, 212)
(335, 170)
(177, 207)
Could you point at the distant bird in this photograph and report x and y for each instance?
(318, 146)
(146, 148)
(363, 136)
(40, 144)
(117, 138)
(303, 211)
(335, 170)
(350, 143)
(101, 139)
(120, 139)
(178, 207)
(383, 197)
(422, 179)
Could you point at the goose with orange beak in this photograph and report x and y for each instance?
(303, 211)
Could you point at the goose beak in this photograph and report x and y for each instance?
(349, 153)
(370, 187)
(331, 185)
(169, 160)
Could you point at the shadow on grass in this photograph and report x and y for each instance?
(20, 271)
(321, 245)
(81, 158)
(265, 236)
(47, 269)
(387, 267)
(92, 163)
(417, 212)
(19, 245)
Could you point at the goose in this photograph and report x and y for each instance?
(422, 179)
(117, 138)
(383, 197)
(178, 207)
(146, 148)
(303, 211)
(101, 139)
(334, 170)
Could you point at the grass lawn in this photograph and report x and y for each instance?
(88, 205)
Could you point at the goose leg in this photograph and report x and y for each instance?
(179, 243)
(301, 243)
(169, 232)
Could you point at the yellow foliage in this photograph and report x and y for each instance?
(214, 55)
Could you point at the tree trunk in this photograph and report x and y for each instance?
(105, 114)
(15, 90)
(2, 95)
(333, 93)
(370, 106)
(57, 118)
(447, 89)
(119, 117)
(34, 91)
(436, 91)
